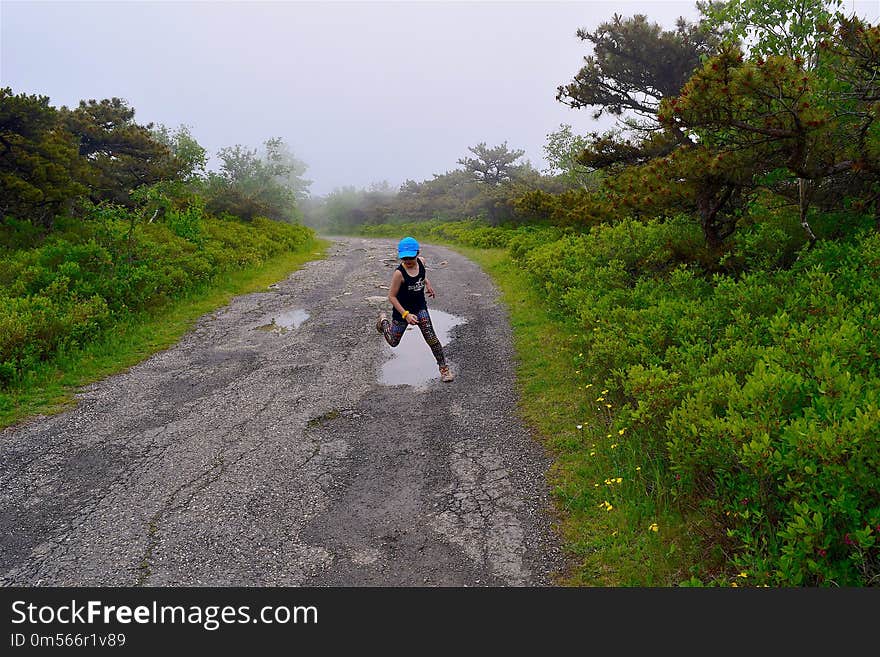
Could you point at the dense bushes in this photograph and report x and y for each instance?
(64, 290)
(760, 394)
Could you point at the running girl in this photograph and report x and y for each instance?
(409, 283)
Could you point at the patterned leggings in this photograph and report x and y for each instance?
(393, 331)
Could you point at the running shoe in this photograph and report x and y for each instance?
(446, 373)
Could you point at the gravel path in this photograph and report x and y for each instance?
(247, 455)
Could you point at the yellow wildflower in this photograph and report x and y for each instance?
(653, 527)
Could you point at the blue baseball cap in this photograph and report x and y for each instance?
(407, 248)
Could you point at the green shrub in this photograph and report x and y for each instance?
(64, 290)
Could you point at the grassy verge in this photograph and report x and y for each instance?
(51, 388)
(633, 543)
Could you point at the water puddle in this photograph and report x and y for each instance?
(283, 322)
(412, 361)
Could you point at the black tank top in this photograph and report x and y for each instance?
(411, 294)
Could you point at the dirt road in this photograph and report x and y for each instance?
(254, 455)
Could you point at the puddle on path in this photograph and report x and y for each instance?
(412, 361)
(289, 319)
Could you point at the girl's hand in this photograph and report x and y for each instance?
(412, 319)
(429, 290)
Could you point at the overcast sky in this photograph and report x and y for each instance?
(362, 92)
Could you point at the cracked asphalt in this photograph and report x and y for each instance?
(248, 455)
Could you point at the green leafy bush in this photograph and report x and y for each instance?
(63, 290)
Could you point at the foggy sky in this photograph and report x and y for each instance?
(362, 92)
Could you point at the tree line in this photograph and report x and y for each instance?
(104, 220)
(772, 102)
(63, 161)
(489, 177)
